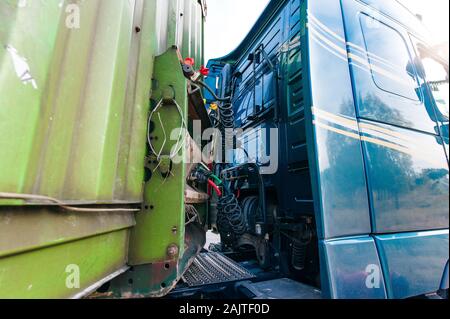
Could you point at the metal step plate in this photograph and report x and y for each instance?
(214, 268)
(283, 288)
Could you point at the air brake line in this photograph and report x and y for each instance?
(215, 187)
(218, 99)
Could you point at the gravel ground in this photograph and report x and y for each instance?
(211, 238)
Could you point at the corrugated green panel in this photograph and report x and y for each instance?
(20, 103)
(71, 133)
(181, 23)
(74, 105)
(76, 130)
(192, 43)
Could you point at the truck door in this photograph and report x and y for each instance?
(403, 145)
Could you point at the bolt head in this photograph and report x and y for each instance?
(172, 251)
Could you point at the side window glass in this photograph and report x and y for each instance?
(389, 59)
(437, 80)
(433, 71)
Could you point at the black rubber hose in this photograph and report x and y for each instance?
(203, 84)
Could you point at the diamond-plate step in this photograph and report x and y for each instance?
(214, 268)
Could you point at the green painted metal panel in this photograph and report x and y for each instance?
(62, 135)
(44, 273)
(73, 135)
(74, 104)
(24, 229)
(161, 223)
(37, 244)
(159, 278)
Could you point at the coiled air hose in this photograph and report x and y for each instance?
(226, 117)
(226, 120)
(230, 218)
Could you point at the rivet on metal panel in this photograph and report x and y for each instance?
(172, 251)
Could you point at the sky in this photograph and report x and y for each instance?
(229, 21)
(435, 15)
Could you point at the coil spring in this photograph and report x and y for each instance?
(230, 216)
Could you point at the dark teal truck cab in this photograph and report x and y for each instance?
(358, 204)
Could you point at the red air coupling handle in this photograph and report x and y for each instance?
(204, 71)
(189, 61)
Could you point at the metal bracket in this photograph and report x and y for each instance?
(156, 251)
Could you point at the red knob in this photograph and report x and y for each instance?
(189, 61)
(204, 71)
